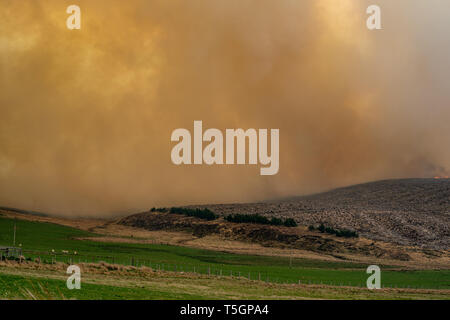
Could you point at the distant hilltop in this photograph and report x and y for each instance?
(35, 213)
(404, 211)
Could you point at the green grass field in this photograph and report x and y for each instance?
(43, 237)
(19, 287)
(172, 286)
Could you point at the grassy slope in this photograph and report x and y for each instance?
(175, 286)
(20, 287)
(46, 236)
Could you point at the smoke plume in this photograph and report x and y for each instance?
(86, 115)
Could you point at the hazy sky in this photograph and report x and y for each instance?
(86, 115)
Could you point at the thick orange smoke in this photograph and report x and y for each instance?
(86, 115)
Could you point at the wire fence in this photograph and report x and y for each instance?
(47, 257)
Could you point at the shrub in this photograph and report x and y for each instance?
(276, 221)
(347, 234)
(159, 210)
(330, 230)
(289, 222)
(259, 219)
(321, 228)
(204, 214)
(247, 218)
(338, 233)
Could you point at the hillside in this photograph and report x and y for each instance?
(411, 212)
(406, 211)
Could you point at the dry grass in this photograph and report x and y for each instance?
(210, 287)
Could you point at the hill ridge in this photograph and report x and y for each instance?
(404, 211)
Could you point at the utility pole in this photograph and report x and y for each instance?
(14, 241)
